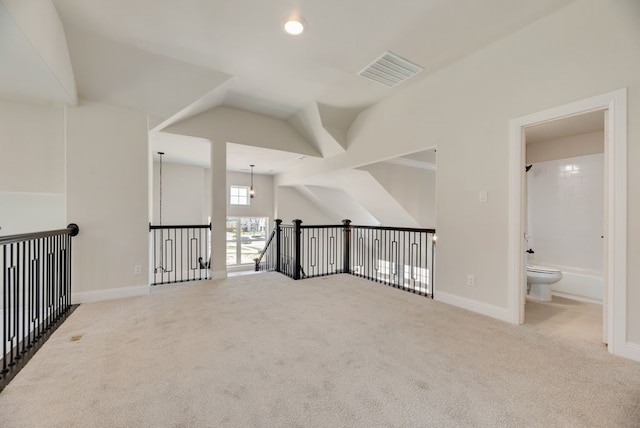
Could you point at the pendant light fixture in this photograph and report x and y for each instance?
(252, 191)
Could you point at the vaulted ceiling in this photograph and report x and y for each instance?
(177, 59)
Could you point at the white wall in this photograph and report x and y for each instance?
(32, 168)
(465, 110)
(22, 212)
(565, 212)
(291, 205)
(107, 154)
(575, 145)
(261, 205)
(187, 194)
(183, 194)
(413, 188)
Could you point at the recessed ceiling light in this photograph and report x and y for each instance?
(295, 26)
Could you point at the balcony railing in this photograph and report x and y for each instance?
(400, 257)
(36, 293)
(180, 253)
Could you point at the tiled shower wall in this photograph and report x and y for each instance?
(565, 209)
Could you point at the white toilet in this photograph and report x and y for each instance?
(539, 280)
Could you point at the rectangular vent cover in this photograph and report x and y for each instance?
(390, 70)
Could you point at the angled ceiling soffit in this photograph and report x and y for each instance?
(307, 122)
(325, 126)
(241, 127)
(338, 120)
(35, 55)
(412, 163)
(211, 100)
(114, 73)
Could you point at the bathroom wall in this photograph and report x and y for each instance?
(565, 214)
(569, 147)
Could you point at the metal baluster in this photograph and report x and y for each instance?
(5, 310)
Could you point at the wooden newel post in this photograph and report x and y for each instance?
(297, 233)
(347, 246)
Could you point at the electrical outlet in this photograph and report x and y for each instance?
(471, 280)
(137, 270)
(482, 196)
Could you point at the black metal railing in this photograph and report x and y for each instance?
(180, 253)
(268, 257)
(36, 293)
(397, 256)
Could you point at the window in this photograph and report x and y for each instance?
(239, 195)
(246, 237)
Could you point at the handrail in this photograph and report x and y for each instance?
(258, 259)
(35, 285)
(72, 230)
(179, 226)
(399, 229)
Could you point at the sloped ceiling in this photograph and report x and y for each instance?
(273, 73)
(176, 60)
(35, 60)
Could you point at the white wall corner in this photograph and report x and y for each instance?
(497, 312)
(108, 294)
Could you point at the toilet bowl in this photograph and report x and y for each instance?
(539, 280)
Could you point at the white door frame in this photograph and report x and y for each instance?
(615, 157)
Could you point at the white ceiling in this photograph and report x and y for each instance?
(278, 74)
(175, 59)
(197, 151)
(24, 75)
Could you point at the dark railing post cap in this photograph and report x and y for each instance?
(298, 221)
(74, 229)
(346, 221)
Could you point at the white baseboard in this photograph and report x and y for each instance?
(631, 351)
(222, 274)
(108, 294)
(474, 306)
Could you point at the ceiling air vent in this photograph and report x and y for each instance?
(389, 69)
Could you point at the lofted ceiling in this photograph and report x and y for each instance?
(177, 59)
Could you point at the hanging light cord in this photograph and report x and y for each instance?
(161, 154)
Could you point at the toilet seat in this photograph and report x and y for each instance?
(542, 269)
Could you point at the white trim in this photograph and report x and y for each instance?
(412, 163)
(218, 274)
(631, 350)
(108, 294)
(577, 298)
(616, 232)
(473, 305)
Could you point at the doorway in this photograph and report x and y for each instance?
(615, 223)
(564, 225)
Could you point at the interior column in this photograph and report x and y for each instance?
(218, 209)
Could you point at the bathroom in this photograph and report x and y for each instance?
(564, 228)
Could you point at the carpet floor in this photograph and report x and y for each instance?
(265, 351)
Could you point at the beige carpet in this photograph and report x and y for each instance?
(266, 351)
(566, 316)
